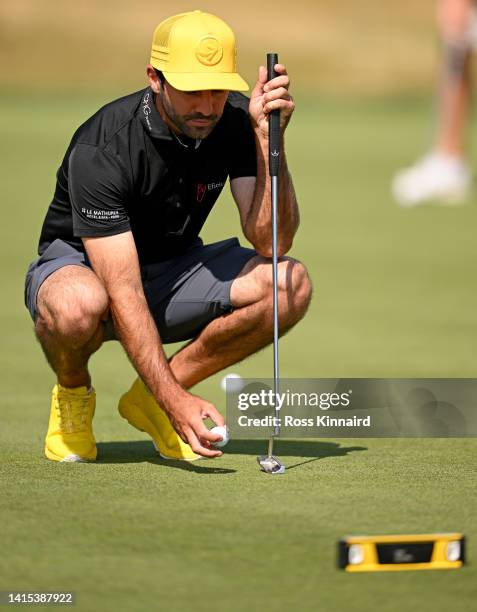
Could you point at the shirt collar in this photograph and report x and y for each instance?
(151, 119)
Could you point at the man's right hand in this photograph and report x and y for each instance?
(187, 413)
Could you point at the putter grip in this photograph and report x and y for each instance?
(273, 123)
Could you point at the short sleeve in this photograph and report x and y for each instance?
(243, 152)
(98, 191)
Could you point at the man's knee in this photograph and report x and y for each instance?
(255, 284)
(295, 288)
(294, 284)
(71, 303)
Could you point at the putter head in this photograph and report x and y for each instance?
(270, 464)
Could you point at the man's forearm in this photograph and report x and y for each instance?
(258, 227)
(138, 334)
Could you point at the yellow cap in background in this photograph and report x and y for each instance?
(196, 51)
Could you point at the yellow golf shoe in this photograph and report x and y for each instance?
(141, 410)
(70, 435)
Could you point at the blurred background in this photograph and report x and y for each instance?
(343, 47)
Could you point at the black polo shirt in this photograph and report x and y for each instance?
(124, 170)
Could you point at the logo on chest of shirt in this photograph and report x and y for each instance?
(203, 188)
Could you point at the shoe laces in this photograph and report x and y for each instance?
(73, 412)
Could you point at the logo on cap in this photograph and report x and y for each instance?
(209, 51)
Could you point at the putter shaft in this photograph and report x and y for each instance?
(276, 428)
(270, 463)
(275, 298)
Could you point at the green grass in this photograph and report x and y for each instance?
(394, 296)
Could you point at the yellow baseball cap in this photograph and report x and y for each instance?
(196, 51)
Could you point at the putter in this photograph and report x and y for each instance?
(269, 463)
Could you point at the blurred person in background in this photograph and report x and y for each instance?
(443, 175)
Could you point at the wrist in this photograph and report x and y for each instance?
(170, 397)
(261, 138)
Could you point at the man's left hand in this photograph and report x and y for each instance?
(270, 95)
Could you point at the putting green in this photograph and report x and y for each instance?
(394, 296)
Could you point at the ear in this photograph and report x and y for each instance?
(154, 81)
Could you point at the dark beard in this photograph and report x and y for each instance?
(191, 131)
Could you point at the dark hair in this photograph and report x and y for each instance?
(160, 76)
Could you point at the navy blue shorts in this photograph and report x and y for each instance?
(184, 294)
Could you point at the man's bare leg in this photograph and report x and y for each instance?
(454, 111)
(443, 174)
(72, 305)
(232, 337)
(453, 18)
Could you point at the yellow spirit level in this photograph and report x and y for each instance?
(394, 553)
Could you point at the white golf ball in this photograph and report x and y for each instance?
(224, 432)
(234, 384)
